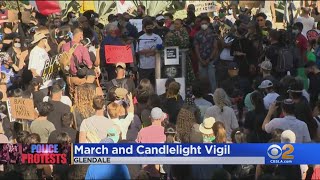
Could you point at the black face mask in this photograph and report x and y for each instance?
(160, 23)
(149, 31)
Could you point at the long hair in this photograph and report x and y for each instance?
(185, 121)
(221, 98)
(84, 100)
(219, 132)
(257, 101)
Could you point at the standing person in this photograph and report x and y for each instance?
(67, 122)
(141, 12)
(222, 112)
(289, 122)
(41, 125)
(155, 132)
(94, 128)
(177, 37)
(168, 20)
(206, 48)
(271, 95)
(147, 46)
(38, 57)
(173, 102)
(9, 68)
(313, 74)
(301, 40)
(306, 20)
(112, 38)
(160, 29)
(120, 81)
(59, 108)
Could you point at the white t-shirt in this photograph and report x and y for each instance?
(64, 99)
(37, 60)
(269, 99)
(308, 23)
(148, 42)
(299, 128)
(124, 124)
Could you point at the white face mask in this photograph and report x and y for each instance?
(230, 11)
(295, 31)
(204, 26)
(17, 45)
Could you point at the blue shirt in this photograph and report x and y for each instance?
(108, 171)
(109, 40)
(9, 74)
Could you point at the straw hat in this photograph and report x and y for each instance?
(37, 37)
(206, 126)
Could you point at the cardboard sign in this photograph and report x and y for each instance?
(137, 23)
(312, 34)
(115, 54)
(202, 6)
(22, 108)
(51, 68)
(171, 55)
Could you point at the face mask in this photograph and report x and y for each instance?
(17, 45)
(160, 23)
(230, 11)
(149, 31)
(295, 31)
(2, 11)
(70, 34)
(115, 23)
(204, 26)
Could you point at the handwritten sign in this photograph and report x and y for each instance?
(115, 54)
(171, 55)
(137, 23)
(22, 108)
(51, 68)
(202, 6)
(312, 34)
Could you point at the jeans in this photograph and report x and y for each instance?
(209, 73)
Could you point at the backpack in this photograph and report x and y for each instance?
(285, 60)
(65, 59)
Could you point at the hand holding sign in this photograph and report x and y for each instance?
(115, 54)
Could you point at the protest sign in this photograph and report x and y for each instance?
(137, 23)
(22, 108)
(202, 6)
(171, 55)
(115, 54)
(51, 68)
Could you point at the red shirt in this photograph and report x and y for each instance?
(82, 55)
(302, 44)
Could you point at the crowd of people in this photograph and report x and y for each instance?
(247, 83)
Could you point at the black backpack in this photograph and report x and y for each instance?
(285, 60)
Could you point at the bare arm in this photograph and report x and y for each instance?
(273, 11)
(82, 137)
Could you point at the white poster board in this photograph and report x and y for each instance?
(160, 86)
(171, 55)
(203, 6)
(137, 23)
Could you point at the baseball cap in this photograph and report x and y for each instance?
(121, 65)
(265, 84)
(159, 18)
(288, 136)
(121, 93)
(156, 114)
(206, 126)
(266, 65)
(233, 66)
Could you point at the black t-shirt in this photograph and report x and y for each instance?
(59, 110)
(74, 134)
(162, 32)
(172, 107)
(314, 87)
(253, 122)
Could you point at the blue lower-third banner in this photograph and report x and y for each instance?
(195, 154)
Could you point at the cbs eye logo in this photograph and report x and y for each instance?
(275, 151)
